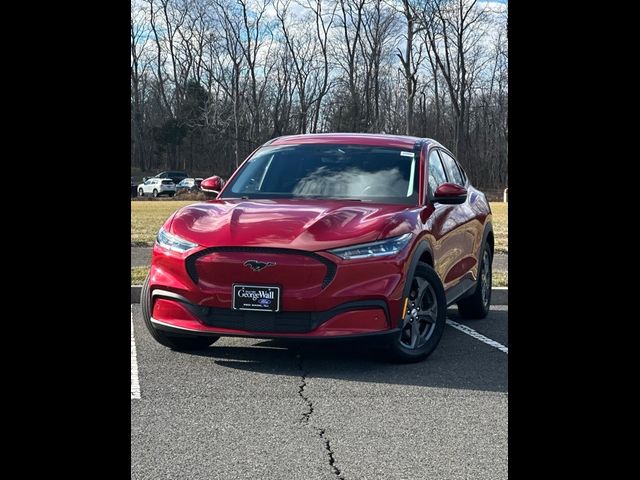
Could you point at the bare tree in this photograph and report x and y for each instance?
(138, 44)
(378, 27)
(323, 23)
(351, 16)
(251, 43)
(452, 37)
(212, 79)
(410, 60)
(229, 75)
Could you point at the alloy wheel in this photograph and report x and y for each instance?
(421, 316)
(486, 278)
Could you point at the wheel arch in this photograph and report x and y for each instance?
(421, 253)
(487, 238)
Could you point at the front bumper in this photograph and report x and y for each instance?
(339, 299)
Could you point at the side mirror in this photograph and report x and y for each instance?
(449, 194)
(212, 185)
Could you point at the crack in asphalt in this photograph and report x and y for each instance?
(307, 415)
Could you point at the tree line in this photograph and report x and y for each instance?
(211, 80)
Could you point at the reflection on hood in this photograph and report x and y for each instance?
(353, 183)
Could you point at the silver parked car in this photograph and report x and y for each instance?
(156, 187)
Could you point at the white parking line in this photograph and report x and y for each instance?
(478, 336)
(135, 386)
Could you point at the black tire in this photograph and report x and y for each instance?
(172, 341)
(477, 305)
(422, 327)
(155, 192)
(171, 195)
(141, 192)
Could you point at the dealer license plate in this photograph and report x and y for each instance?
(256, 297)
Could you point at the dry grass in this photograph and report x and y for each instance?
(500, 226)
(138, 274)
(148, 217)
(500, 279)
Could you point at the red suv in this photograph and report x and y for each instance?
(324, 236)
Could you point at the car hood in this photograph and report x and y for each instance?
(299, 224)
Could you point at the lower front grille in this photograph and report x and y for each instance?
(274, 322)
(280, 322)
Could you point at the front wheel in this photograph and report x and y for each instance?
(172, 341)
(477, 305)
(140, 192)
(424, 321)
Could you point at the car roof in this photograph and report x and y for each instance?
(373, 139)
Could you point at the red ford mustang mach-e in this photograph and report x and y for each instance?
(325, 236)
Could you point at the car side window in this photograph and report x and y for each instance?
(436, 171)
(452, 168)
(464, 175)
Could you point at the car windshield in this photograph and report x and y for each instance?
(353, 172)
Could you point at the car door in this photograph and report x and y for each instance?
(439, 222)
(148, 186)
(464, 231)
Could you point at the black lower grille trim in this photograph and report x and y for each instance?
(280, 322)
(276, 322)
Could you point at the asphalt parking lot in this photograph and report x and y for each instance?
(267, 409)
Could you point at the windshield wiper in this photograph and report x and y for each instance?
(321, 197)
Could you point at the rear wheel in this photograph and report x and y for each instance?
(141, 192)
(155, 192)
(172, 341)
(477, 305)
(423, 324)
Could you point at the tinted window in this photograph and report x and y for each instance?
(452, 168)
(436, 171)
(464, 175)
(329, 171)
(167, 182)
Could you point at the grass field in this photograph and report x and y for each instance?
(148, 217)
(138, 274)
(498, 279)
(500, 226)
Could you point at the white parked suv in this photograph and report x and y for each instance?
(157, 186)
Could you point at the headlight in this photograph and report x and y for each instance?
(173, 242)
(381, 248)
